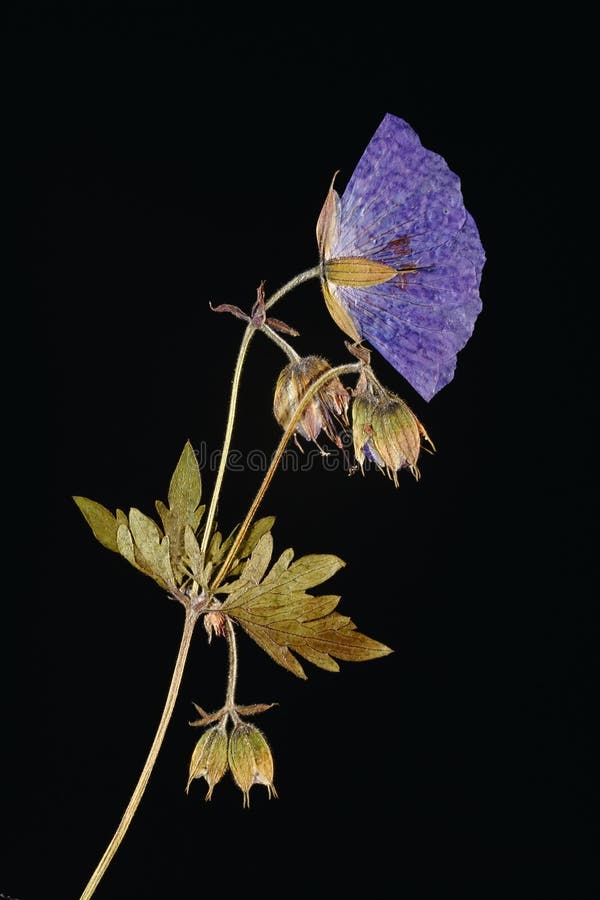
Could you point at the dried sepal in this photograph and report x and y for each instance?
(385, 430)
(250, 760)
(209, 758)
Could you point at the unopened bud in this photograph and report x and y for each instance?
(209, 759)
(328, 404)
(250, 760)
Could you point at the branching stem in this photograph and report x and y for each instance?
(288, 433)
(194, 609)
(248, 334)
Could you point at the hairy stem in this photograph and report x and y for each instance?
(290, 285)
(281, 343)
(235, 386)
(288, 433)
(233, 664)
(191, 617)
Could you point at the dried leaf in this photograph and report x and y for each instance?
(151, 548)
(126, 547)
(306, 572)
(251, 539)
(183, 511)
(281, 617)
(102, 522)
(193, 557)
(185, 489)
(256, 566)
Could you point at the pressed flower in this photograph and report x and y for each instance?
(384, 429)
(401, 258)
(328, 405)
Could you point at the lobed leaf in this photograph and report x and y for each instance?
(281, 617)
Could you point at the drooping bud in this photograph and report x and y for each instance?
(384, 429)
(209, 759)
(250, 760)
(328, 404)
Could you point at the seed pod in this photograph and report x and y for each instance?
(329, 404)
(250, 760)
(209, 759)
(384, 429)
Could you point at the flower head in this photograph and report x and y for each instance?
(384, 429)
(328, 404)
(401, 258)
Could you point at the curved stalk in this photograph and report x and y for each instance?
(288, 433)
(233, 665)
(191, 618)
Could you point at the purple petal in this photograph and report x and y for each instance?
(403, 207)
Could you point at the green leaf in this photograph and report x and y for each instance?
(254, 534)
(183, 511)
(193, 557)
(102, 522)
(151, 549)
(126, 547)
(251, 539)
(307, 571)
(185, 488)
(281, 617)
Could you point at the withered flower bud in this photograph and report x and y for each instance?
(209, 759)
(250, 760)
(329, 404)
(384, 429)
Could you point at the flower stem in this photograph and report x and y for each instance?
(289, 431)
(191, 617)
(193, 611)
(235, 386)
(233, 664)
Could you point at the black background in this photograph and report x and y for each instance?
(164, 162)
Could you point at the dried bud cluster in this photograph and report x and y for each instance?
(327, 406)
(384, 429)
(245, 751)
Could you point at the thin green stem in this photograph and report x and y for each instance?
(191, 617)
(235, 386)
(289, 431)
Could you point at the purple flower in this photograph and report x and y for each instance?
(401, 258)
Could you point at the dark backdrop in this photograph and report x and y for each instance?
(162, 163)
